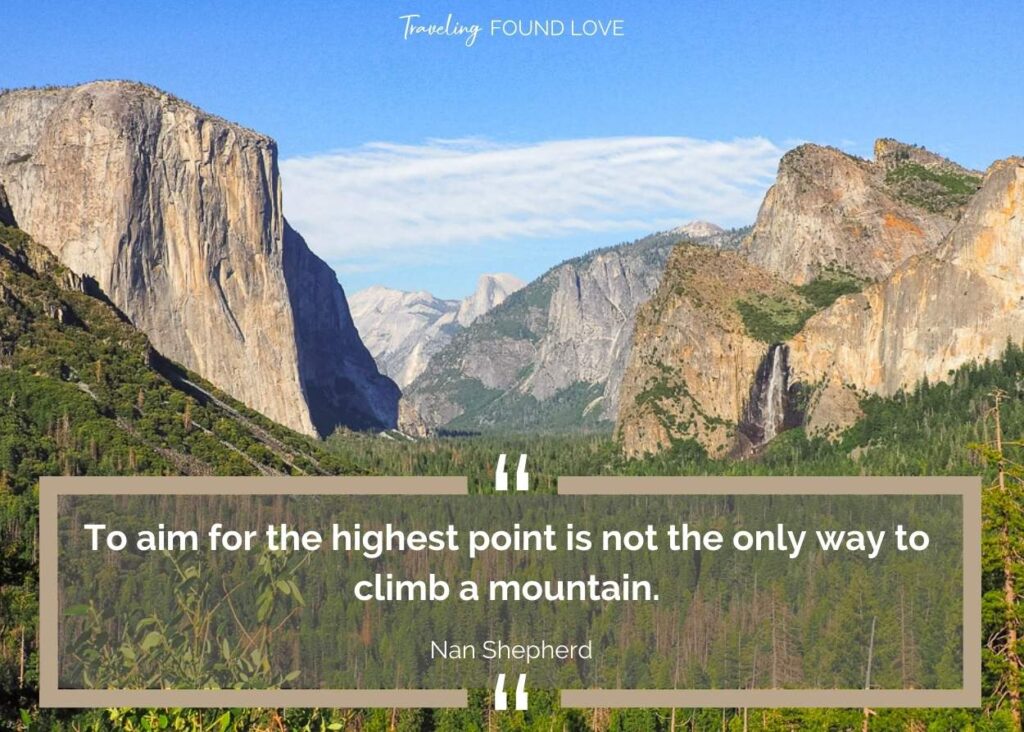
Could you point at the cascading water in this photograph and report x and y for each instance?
(773, 408)
(770, 408)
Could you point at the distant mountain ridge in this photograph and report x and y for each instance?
(698, 229)
(403, 330)
(551, 357)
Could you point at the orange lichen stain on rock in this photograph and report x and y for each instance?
(896, 223)
(1014, 195)
(983, 244)
(856, 230)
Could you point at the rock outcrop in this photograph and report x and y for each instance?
(693, 369)
(403, 330)
(938, 311)
(832, 211)
(177, 216)
(696, 372)
(698, 229)
(491, 290)
(410, 422)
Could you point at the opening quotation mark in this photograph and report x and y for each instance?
(501, 697)
(501, 475)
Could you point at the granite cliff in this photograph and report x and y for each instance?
(730, 351)
(832, 211)
(84, 392)
(176, 215)
(694, 358)
(959, 303)
(491, 290)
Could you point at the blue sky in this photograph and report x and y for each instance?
(654, 125)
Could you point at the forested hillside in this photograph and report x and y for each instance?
(722, 619)
(84, 393)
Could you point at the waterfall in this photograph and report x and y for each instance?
(773, 409)
(769, 408)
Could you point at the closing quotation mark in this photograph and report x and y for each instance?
(501, 698)
(501, 475)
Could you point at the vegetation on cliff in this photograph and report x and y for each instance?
(933, 190)
(777, 319)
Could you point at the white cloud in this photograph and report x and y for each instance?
(379, 201)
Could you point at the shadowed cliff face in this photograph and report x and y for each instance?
(177, 216)
(338, 375)
(6, 215)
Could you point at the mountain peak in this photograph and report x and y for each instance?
(829, 210)
(812, 156)
(698, 229)
(120, 95)
(891, 154)
(500, 277)
(491, 291)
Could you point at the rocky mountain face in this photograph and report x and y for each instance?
(491, 290)
(694, 361)
(832, 211)
(732, 352)
(959, 303)
(551, 357)
(176, 215)
(698, 229)
(85, 392)
(403, 330)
